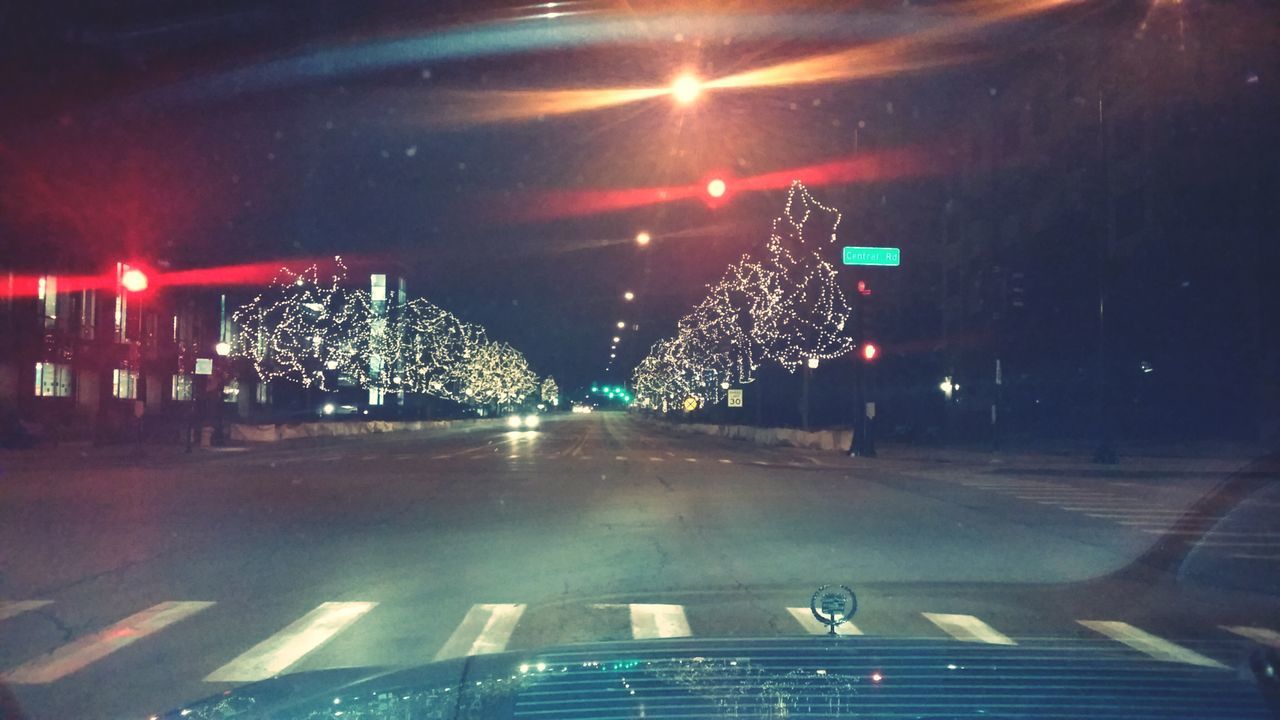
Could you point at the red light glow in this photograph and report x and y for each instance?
(134, 280)
(714, 189)
(870, 352)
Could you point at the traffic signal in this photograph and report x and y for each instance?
(134, 280)
(870, 351)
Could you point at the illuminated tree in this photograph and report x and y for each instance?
(550, 392)
(786, 308)
(496, 374)
(298, 329)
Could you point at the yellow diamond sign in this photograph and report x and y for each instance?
(690, 404)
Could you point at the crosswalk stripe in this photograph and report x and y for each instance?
(78, 654)
(1256, 634)
(17, 607)
(968, 628)
(1145, 642)
(804, 616)
(275, 654)
(485, 629)
(658, 621)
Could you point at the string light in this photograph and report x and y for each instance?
(314, 332)
(786, 307)
(549, 393)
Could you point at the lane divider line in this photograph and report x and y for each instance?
(1263, 636)
(968, 628)
(1146, 643)
(486, 629)
(658, 621)
(300, 638)
(78, 654)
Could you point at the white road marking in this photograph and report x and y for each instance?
(726, 461)
(1216, 533)
(804, 616)
(275, 654)
(658, 621)
(619, 457)
(1145, 642)
(1256, 634)
(968, 628)
(404, 456)
(655, 459)
(17, 607)
(368, 457)
(691, 459)
(486, 629)
(759, 462)
(584, 457)
(513, 456)
(1252, 556)
(78, 654)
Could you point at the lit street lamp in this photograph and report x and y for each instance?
(716, 188)
(223, 348)
(628, 296)
(643, 238)
(621, 324)
(686, 88)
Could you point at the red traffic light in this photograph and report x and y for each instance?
(870, 351)
(133, 280)
(862, 288)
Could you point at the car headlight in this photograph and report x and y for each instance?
(513, 421)
(328, 408)
(531, 421)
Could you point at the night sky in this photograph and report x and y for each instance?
(140, 128)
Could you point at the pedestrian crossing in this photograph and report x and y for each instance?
(1117, 503)
(490, 628)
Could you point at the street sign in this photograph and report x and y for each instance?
(690, 404)
(735, 397)
(882, 256)
(204, 366)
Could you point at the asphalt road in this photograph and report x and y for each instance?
(132, 586)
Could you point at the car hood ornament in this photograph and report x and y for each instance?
(833, 605)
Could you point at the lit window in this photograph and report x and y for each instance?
(88, 314)
(231, 391)
(53, 380)
(183, 387)
(262, 393)
(124, 384)
(377, 396)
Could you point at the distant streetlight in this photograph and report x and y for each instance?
(643, 238)
(686, 88)
(813, 363)
(222, 348)
(621, 324)
(613, 355)
(948, 387)
(716, 188)
(724, 385)
(628, 296)
(617, 339)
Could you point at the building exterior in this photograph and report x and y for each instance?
(85, 357)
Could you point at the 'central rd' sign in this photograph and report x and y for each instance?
(882, 256)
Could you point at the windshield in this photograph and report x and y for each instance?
(354, 335)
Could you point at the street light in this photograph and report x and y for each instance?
(716, 188)
(813, 363)
(617, 339)
(223, 348)
(621, 324)
(686, 88)
(628, 296)
(643, 238)
(948, 387)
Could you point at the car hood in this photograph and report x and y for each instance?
(808, 677)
